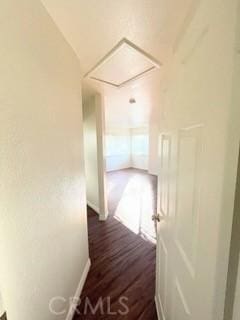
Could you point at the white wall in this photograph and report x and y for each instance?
(121, 153)
(118, 154)
(43, 230)
(118, 162)
(153, 164)
(94, 149)
(140, 160)
(90, 152)
(154, 134)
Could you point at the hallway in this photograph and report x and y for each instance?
(95, 96)
(121, 258)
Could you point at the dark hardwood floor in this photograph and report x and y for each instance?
(121, 281)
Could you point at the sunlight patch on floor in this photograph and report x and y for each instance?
(136, 208)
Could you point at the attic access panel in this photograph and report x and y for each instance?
(124, 63)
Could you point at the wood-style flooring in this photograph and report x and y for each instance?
(121, 281)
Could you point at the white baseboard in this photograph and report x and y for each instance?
(119, 168)
(78, 291)
(102, 217)
(95, 208)
(153, 173)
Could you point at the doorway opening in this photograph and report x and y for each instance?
(123, 246)
(131, 189)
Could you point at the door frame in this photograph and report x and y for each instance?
(102, 173)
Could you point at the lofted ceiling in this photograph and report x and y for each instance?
(94, 27)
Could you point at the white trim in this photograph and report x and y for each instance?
(123, 43)
(152, 172)
(78, 291)
(95, 208)
(102, 217)
(120, 168)
(102, 184)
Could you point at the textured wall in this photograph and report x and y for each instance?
(43, 234)
(118, 153)
(90, 152)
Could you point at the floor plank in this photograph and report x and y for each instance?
(123, 261)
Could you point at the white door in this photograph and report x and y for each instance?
(198, 160)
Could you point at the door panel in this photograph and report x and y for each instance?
(193, 144)
(162, 284)
(164, 200)
(180, 305)
(188, 194)
(164, 181)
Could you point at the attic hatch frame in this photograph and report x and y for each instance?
(155, 64)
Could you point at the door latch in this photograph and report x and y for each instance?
(156, 217)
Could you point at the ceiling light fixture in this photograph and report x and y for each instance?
(132, 100)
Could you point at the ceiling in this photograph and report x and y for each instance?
(120, 113)
(94, 27)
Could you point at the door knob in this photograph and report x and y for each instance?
(156, 217)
